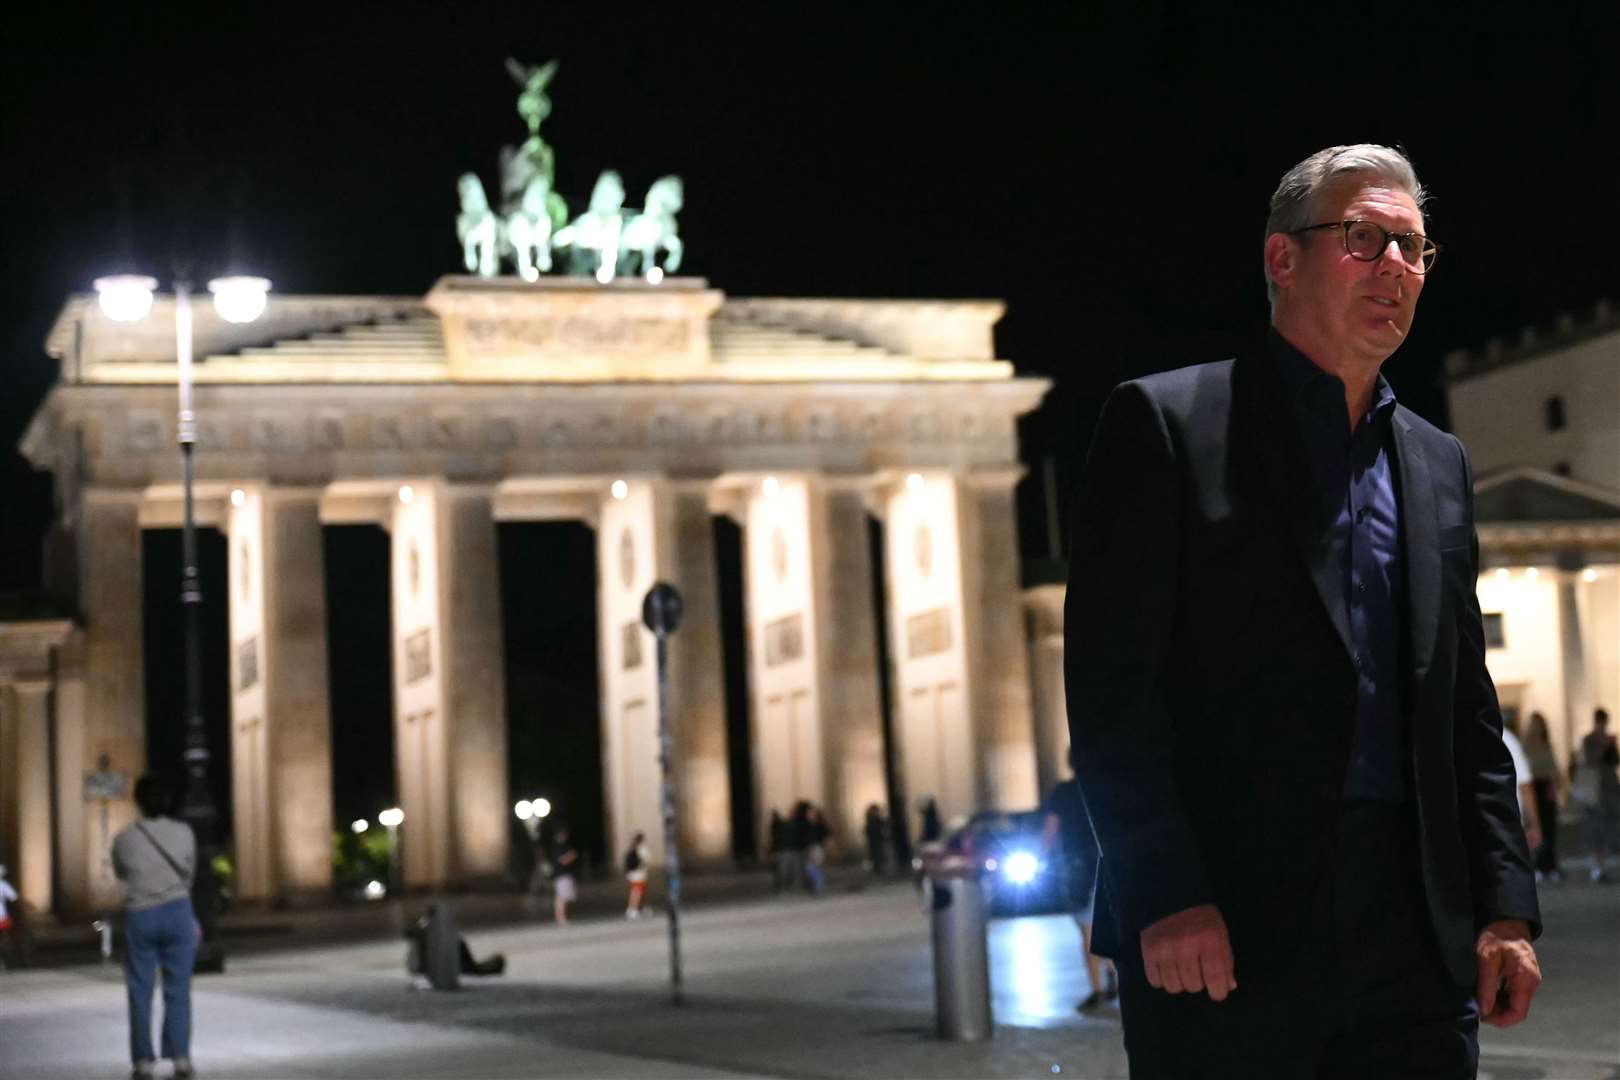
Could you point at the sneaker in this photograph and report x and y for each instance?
(1093, 1000)
(143, 1070)
(183, 1069)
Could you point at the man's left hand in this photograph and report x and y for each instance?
(1508, 972)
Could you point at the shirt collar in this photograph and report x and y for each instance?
(1317, 391)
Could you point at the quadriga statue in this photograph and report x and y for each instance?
(528, 230)
(476, 228)
(654, 228)
(598, 230)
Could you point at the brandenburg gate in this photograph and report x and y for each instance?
(641, 409)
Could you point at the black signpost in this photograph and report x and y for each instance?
(661, 612)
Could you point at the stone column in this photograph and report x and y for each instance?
(114, 741)
(658, 530)
(449, 684)
(1044, 607)
(281, 731)
(697, 698)
(1572, 655)
(626, 567)
(790, 750)
(73, 822)
(998, 660)
(938, 756)
(846, 656)
(25, 835)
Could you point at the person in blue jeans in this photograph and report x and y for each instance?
(155, 860)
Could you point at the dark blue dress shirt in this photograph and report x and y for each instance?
(1355, 477)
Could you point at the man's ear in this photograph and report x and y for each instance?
(1282, 258)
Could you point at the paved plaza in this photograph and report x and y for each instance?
(838, 987)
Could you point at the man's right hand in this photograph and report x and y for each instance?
(1190, 952)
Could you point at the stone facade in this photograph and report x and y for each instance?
(639, 410)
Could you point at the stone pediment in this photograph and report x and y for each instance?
(1526, 495)
(479, 330)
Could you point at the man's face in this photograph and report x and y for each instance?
(1365, 308)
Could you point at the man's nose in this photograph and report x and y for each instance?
(1392, 263)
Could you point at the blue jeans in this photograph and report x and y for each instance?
(163, 936)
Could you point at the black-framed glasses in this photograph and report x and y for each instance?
(1368, 240)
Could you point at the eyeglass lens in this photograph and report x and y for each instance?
(1367, 241)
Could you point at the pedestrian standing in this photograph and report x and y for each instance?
(1596, 788)
(564, 865)
(1068, 840)
(1524, 778)
(635, 873)
(877, 840)
(155, 861)
(1547, 781)
(816, 838)
(784, 872)
(931, 831)
(8, 929)
(798, 842)
(1290, 745)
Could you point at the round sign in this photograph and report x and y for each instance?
(661, 611)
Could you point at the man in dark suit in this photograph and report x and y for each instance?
(1313, 863)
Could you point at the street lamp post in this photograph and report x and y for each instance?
(390, 819)
(128, 298)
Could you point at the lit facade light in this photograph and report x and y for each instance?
(604, 274)
(391, 817)
(125, 297)
(238, 497)
(359, 825)
(1589, 575)
(914, 482)
(542, 808)
(376, 890)
(240, 299)
(1503, 573)
(1532, 573)
(771, 486)
(524, 810)
(406, 493)
(655, 275)
(620, 489)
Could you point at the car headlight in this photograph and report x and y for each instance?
(1020, 867)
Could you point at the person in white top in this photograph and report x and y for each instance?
(1525, 781)
(635, 872)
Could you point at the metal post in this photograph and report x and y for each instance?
(661, 613)
(672, 856)
(198, 806)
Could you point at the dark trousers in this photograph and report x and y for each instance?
(1364, 994)
(1547, 812)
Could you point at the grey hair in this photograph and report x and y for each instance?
(1295, 203)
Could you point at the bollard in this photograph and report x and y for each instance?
(441, 952)
(961, 956)
(105, 929)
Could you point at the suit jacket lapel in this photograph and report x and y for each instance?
(1268, 417)
(1420, 529)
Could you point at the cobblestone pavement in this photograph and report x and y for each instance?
(794, 988)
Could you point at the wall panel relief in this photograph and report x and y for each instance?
(418, 656)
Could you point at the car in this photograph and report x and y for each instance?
(1020, 877)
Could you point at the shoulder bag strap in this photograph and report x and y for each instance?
(161, 850)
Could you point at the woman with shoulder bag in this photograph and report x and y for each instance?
(155, 860)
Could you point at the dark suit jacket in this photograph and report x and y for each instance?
(1210, 689)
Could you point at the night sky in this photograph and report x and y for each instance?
(1104, 169)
